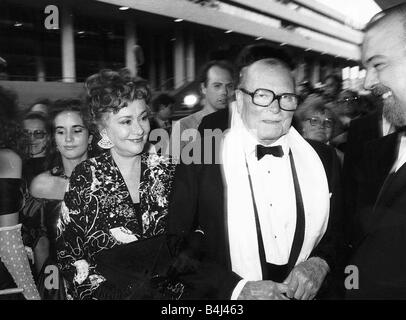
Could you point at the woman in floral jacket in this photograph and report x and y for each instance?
(118, 197)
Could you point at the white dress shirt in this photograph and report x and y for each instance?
(401, 159)
(275, 199)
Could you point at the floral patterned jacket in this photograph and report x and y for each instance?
(98, 214)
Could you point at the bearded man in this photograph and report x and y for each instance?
(380, 227)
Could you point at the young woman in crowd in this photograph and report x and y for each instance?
(14, 265)
(70, 138)
(118, 197)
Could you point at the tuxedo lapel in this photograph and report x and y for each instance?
(394, 185)
(380, 157)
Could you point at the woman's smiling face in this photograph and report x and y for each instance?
(128, 129)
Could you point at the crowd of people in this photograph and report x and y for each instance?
(302, 184)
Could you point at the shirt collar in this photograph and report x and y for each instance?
(250, 142)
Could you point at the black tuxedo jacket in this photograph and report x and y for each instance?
(381, 224)
(360, 132)
(216, 120)
(197, 202)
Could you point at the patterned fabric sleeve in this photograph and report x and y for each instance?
(72, 252)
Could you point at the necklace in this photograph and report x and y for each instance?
(57, 171)
(64, 176)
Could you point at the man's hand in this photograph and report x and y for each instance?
(305, 280)
(263, 290)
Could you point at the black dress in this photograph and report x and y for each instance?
(33, 167)
(11, 200)
(40, 220)
(40, 217)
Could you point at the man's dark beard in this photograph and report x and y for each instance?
(394, 112)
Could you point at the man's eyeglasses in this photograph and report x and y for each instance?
(328, 123)
(348, 100)
(264, 98)
(36, 134)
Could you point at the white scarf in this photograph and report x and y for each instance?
(240, 212)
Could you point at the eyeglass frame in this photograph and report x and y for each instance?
(320, 122)
(348, 100)
(276, 97)
(33, 134)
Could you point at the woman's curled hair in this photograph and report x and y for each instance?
(110, 91)
(11, 133)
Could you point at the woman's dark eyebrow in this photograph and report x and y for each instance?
(75, 126)
(127, 117)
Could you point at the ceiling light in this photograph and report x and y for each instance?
(259, 38)
(123, 8)
(17, 24)
(228, 31)
(190, 100)
(178, 20)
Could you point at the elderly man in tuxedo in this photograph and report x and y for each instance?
(263, 222)
(381, 201)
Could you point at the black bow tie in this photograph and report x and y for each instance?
(276, 151)
(401, 129)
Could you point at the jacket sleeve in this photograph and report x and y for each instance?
(330, 247)
(72, 242)
(209, 279)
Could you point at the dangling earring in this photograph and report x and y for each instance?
(105, 142)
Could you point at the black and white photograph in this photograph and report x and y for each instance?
(202, 153)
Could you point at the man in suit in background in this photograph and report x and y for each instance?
(380, 227)
(267, 217)
(217, 86)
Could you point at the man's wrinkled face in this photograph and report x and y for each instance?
(37, 137)
(269, 123)
(384, 57)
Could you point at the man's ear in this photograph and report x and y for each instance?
(203, 88)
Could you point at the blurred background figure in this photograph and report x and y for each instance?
(40, 105)
(70, 139)
(14, 265)
(332, 87)
(316, 122)
(3, 69)
(162, 108)
(37, 135)
(346, 107)
(349, 107)
(304, 89)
